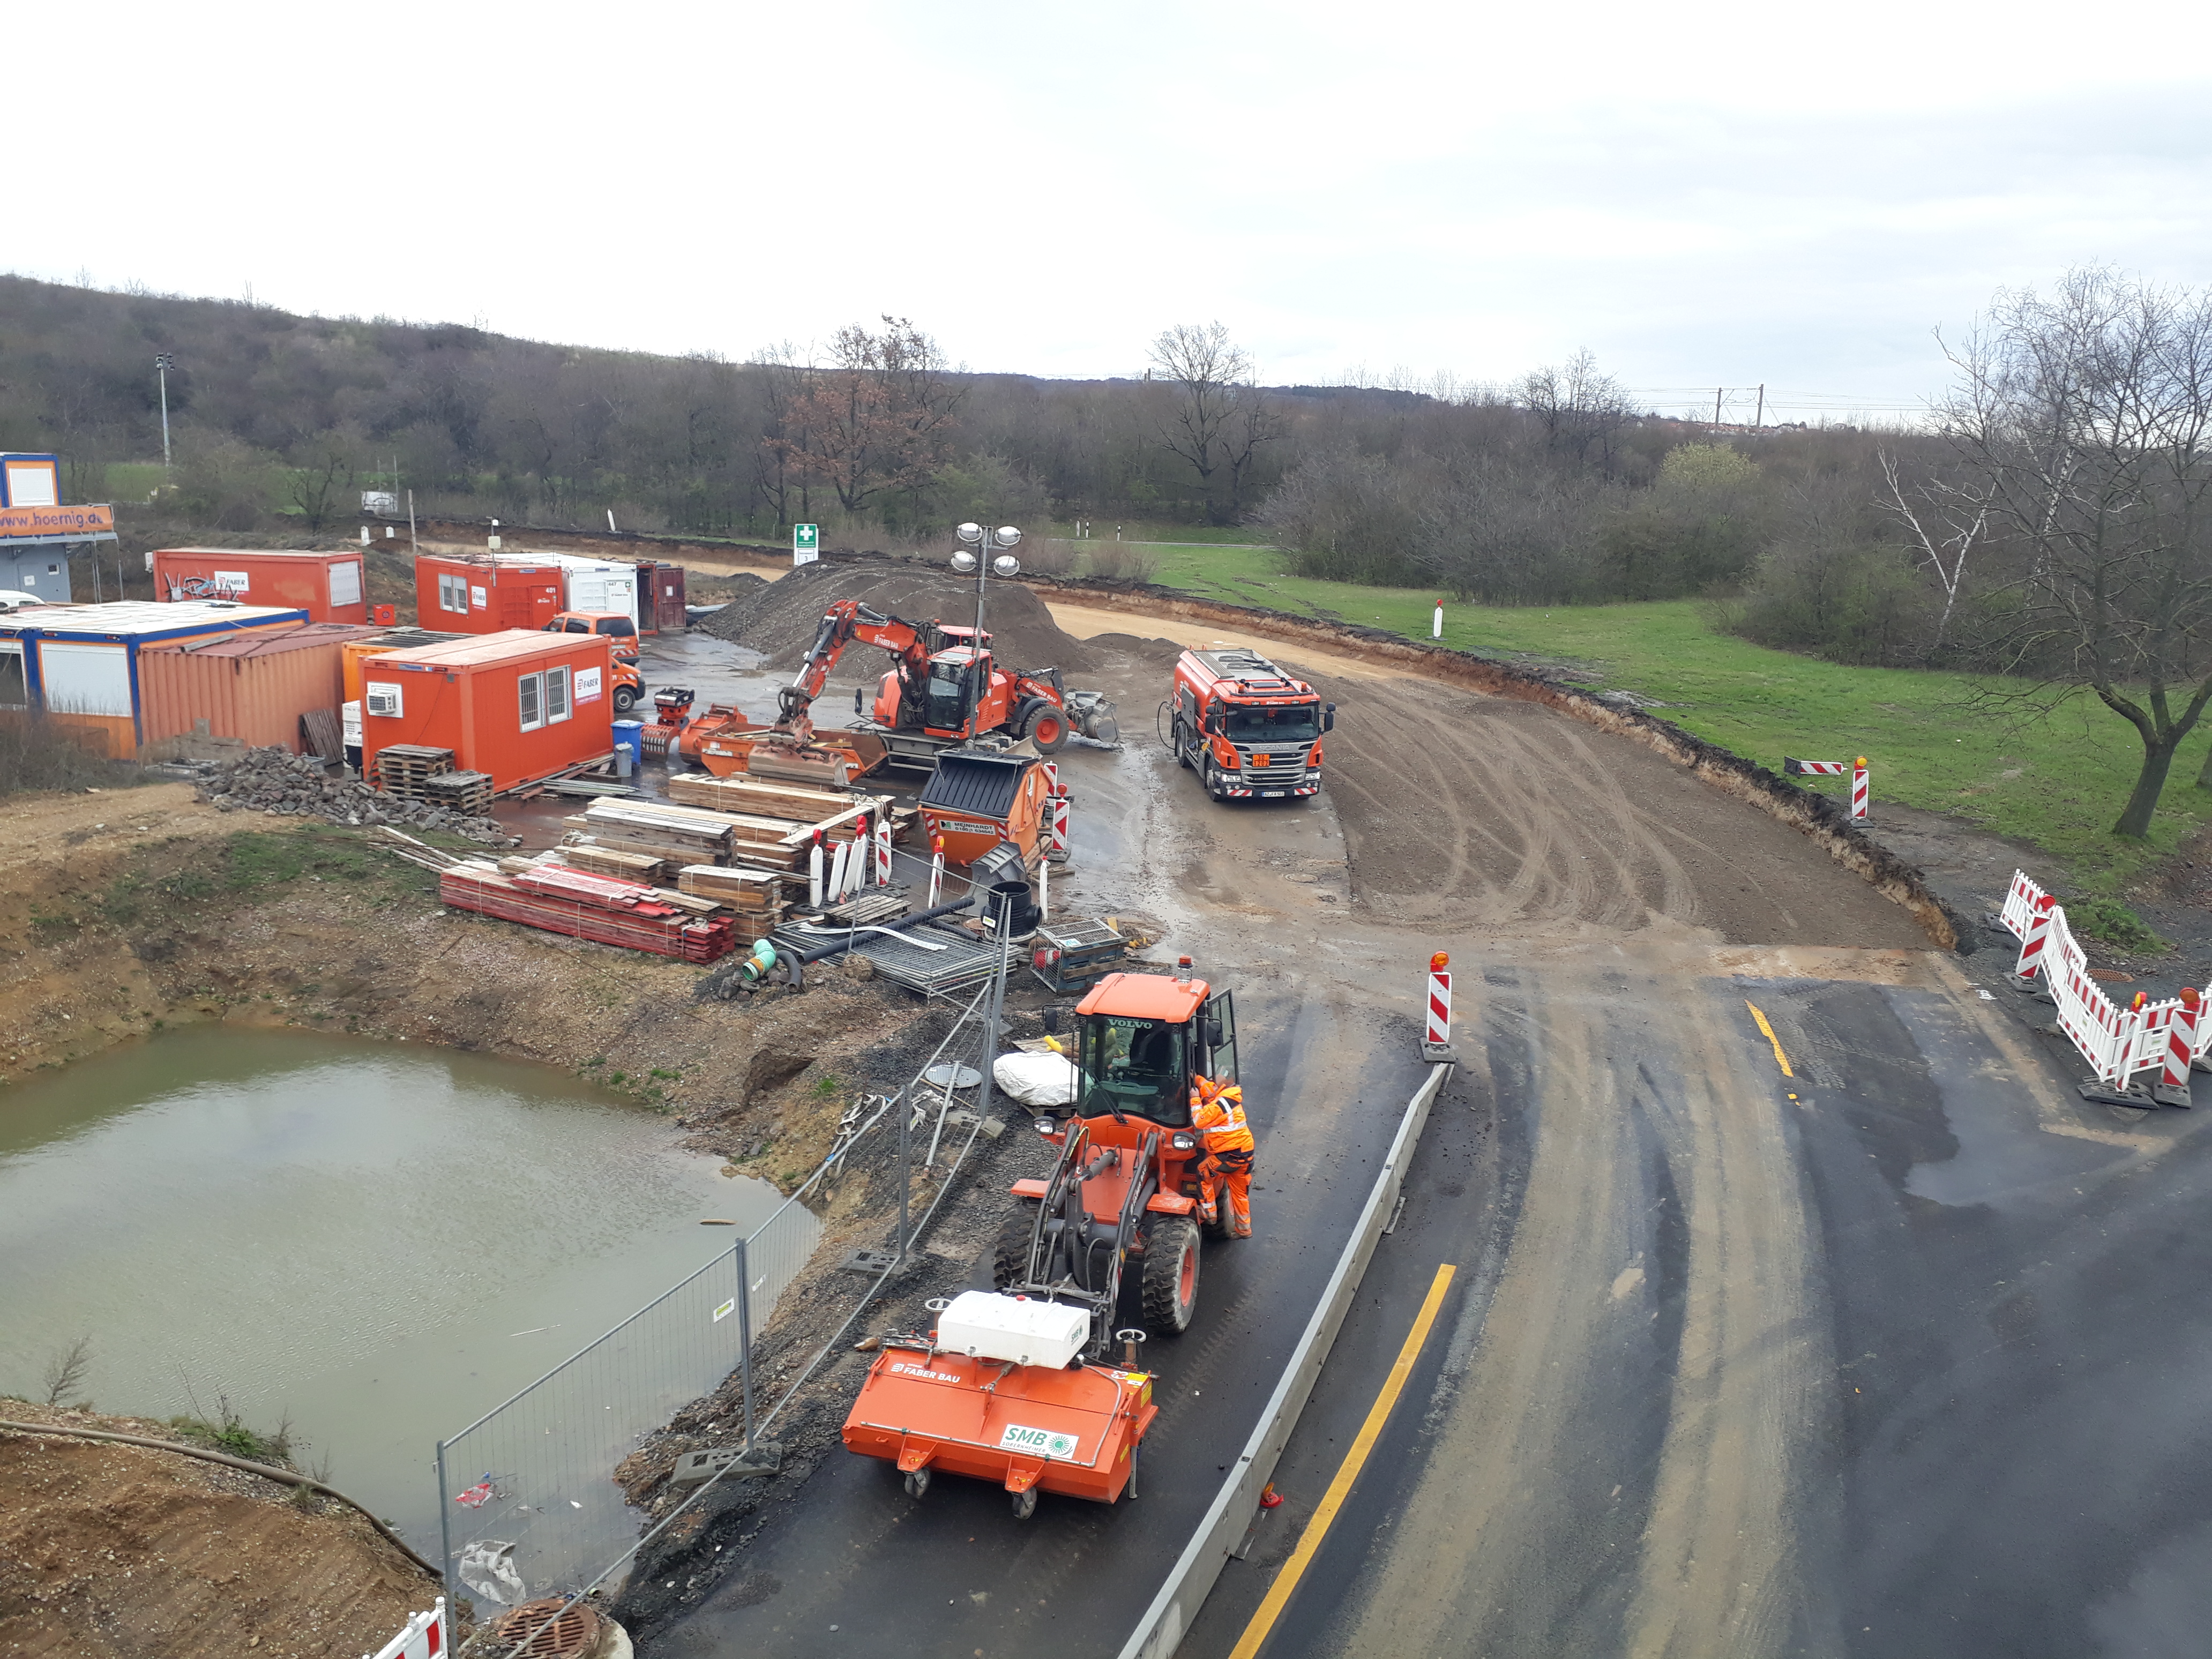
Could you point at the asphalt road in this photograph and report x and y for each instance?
(1909, 1364)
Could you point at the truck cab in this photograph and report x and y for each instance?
(1249, 729)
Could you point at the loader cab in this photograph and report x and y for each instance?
(1144, 1039)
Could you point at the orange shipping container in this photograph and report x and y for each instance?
(250, 688)
(485, 595)
(520, 706)
(326, 586)
(382, 642)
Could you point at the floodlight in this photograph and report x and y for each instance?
(963, 561)
(1007, 536)
(1005, 564)
(969, 532)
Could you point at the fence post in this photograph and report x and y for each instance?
(445, 1528)
(745, 1336)
(906, 1167)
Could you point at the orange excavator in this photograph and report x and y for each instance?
(942, 692)
(1017, 1385)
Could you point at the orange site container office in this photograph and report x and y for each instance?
(196, 696)
(518, 706)
(486, 595)
(326, 586)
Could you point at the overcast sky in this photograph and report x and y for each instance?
(1723, 194)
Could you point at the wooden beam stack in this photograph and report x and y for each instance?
(758, 899)
(676, 834)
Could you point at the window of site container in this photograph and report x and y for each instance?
(533, 702)
(454, 593)
(556, 695)
(13, 693)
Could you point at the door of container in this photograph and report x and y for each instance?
(667, 605)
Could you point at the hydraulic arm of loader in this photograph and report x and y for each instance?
(1066, 1240)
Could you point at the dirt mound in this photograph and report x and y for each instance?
(116, 1550)
(779, 618)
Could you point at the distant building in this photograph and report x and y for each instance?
(37, 529)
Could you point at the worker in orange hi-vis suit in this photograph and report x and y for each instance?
(1217, 1112)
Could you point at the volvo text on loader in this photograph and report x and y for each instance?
(1249, 729)
(1019, 1386)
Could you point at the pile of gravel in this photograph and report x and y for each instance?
(779, 618)
(284, 785)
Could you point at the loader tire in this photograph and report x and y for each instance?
(1010, 1258)
(1170, 1276)
(1047, 727)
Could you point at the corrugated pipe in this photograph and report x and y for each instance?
(845, 941)
(267, 1471)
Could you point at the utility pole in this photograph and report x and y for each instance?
(162, 365)
(1717, 411)
(1759, 419)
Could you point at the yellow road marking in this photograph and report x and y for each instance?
(1278, 1594)
(1767, 1031)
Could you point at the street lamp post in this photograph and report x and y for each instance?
(162, 365)
(983, 541)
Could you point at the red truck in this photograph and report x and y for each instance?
(1249, 729)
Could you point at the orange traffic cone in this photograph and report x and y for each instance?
(1271, 1499)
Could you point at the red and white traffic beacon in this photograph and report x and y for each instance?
(1436, 1038)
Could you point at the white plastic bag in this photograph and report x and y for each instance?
(1035, 1080)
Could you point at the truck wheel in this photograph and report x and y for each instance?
(1170, 1276)
(1182, 748)
(1010, 1258)
(1046, 728)
(1213, 775)
(625, 699)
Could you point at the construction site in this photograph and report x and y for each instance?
(1658, 1196)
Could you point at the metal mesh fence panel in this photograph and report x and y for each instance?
(527, 1493)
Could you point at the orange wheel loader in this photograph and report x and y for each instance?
(1017, 1386)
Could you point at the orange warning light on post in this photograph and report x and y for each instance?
(1439, 961)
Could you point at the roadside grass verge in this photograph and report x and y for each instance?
(2055, 780)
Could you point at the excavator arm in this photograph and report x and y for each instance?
(842, 624)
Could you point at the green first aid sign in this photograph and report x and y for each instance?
(805, 542)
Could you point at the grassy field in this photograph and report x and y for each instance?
(2058, 781)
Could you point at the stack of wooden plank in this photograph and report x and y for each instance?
(402, 768)
(761, 900)
(763, 797)
(676, 834)
(614, 862)
(575, 903)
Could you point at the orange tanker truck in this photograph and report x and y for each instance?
(1017, 1386)
(1249, 729)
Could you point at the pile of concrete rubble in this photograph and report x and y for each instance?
(284, 785)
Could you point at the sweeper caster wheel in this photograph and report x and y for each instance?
(1026, 1503)
(917, 1483)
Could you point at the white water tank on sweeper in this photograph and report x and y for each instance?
(984, 1325)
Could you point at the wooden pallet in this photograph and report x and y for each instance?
(462, 792)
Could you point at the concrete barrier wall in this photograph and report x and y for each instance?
(1161, 1630)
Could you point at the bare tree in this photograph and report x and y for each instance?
(1218, 419)
(879, 418)
(65, 1370)
(2082, 419)
(1945, 519)
(1581, 410)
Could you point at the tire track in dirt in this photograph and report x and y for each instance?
(1622, 1464)
(1480, 813)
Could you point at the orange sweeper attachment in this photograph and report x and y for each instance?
(1017, 1386)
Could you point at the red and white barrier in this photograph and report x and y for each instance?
(2117, 1041)
(883, 850)
(1861, 796)
(1052, 777)
(1059, 852)
(2027, 912)
(425, 1636)
(936, 870)
(1436, 1042)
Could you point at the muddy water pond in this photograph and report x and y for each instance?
(378, 1242)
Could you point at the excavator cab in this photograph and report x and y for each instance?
(951, 697)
